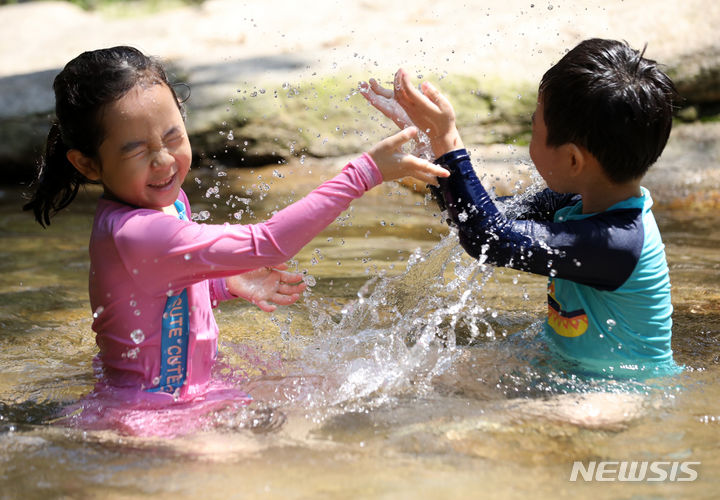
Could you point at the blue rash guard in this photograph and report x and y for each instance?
(609, 309)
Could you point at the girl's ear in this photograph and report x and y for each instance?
(83, 164)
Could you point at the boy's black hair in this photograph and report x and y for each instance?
(83, 88)
(605, 96)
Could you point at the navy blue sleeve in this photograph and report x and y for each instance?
(599, 251)
(542, 205)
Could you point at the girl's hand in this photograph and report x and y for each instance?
(384, 101)
(265, 285)
(430, 111)
(394, 163)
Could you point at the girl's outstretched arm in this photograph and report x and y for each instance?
(164, 253)
(393, 163)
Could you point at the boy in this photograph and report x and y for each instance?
(603, 117)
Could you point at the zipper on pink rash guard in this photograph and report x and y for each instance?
(175, 336)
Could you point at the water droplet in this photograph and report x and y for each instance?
(611, 323)
(98, 311)
(187, 256)
(309, 280)
(201, 216)
(230, 136)
(550, 7)
(137, 336)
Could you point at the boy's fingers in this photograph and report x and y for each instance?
(367, 93)
(436, 97)
(408, 96)
(380, 90)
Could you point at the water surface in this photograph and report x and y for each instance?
(408, 371)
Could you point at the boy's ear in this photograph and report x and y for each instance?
(577, 158)
(83, 164)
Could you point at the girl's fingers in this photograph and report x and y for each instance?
(290, 278)
(424, 170)
(285, 300)
(396, 141)
(291, 289)
(265, 306)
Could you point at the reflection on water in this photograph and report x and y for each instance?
(408, 371)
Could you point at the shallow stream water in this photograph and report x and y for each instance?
(408, 370)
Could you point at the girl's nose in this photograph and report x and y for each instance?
(161, 158)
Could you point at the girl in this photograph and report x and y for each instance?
(154, 274)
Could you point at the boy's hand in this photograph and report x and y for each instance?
(265, 285)
(430, 111)
(384, 101)
(394, 163)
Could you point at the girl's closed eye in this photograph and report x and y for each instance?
(133, 150)
(174, 139)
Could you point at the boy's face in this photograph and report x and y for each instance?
(550, 162)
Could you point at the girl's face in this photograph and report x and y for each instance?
(146, 153)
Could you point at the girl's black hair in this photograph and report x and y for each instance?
(83, 88)
(605, 96)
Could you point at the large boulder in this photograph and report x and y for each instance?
(268, 84)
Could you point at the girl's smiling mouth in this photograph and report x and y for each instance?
(163, 184)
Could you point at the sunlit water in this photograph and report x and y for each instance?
(408, 371)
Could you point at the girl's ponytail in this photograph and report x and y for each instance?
(86, 84)
(57, 181)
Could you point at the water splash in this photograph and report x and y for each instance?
(401, 332)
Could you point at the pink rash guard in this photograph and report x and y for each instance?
(138, 257)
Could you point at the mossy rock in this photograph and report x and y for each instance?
(327, 117)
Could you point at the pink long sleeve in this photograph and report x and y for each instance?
(140, 256)
(170, 254)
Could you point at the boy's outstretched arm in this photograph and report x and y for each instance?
(384, 101)
(430, 111)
